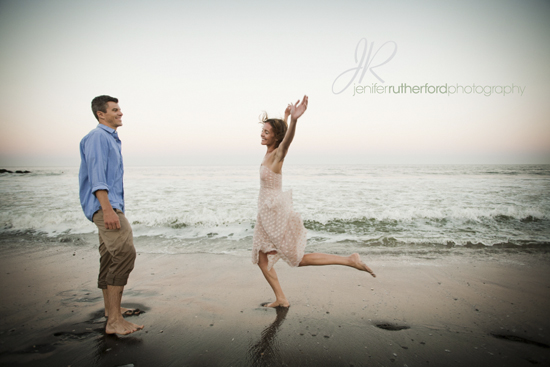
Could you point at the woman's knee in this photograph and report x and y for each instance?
(263, 261)
(304, 261)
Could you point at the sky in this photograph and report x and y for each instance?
(192, 78)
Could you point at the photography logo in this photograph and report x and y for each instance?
(368, 58)
(364, 59)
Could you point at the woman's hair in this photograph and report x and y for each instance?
(279, 127)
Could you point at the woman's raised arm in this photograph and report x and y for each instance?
(295, 111)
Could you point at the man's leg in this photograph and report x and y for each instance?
(117, 261)
(123, 310)
(104, 265)
(117, 324)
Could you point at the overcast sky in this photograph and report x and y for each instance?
(192, 78)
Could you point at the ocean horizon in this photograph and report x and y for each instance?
(371, 208)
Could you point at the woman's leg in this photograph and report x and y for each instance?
(271, 277)
(353, 261)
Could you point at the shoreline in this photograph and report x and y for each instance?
(203, 309)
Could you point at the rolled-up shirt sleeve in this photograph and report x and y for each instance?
(97, 153)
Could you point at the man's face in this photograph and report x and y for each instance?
(113, 116)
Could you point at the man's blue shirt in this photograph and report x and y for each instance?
(101, 168)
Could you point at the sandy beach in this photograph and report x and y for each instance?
(203, 310)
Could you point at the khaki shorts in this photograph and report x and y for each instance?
(116, 250)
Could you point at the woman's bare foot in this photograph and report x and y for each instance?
(281, 303)
(359, 265)
(121, 327)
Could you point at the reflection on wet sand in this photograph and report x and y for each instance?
(266, 351)
(108, 345)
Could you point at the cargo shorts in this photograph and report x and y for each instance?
(116, 250)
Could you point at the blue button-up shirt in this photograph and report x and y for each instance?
(101, 168)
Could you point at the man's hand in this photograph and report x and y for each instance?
(111, 219)
(109, 215)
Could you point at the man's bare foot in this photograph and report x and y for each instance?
(121, 327)
(359, 265)
(284, 303)
(132, 312)
(124, 311)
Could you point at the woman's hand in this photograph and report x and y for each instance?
(287, 112)
(298, 109)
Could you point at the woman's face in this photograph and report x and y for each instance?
(268, 136)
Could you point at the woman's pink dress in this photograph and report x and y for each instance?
(278, 227)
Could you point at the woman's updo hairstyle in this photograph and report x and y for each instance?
(279, 127)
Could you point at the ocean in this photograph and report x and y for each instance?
(395, 210)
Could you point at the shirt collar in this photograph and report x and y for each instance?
(108, 129)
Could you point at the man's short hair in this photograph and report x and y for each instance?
(99, 103)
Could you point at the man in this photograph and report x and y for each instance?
(102, 199)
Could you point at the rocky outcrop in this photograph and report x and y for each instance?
(2, 170)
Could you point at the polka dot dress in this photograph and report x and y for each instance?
(278, 227)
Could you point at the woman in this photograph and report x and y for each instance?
(279, 231)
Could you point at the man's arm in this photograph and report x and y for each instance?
(109, 216)
(97, 152)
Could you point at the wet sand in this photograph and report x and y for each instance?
(203, 310)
